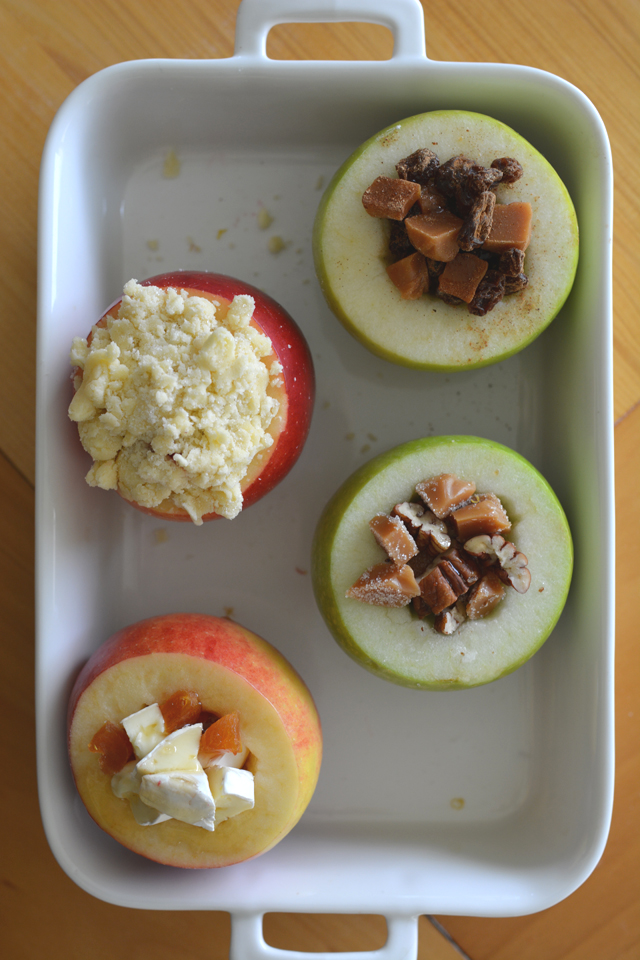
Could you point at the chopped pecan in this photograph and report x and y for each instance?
(484, 596)
(444, 493)
(489, 293)
(389, 197)
(511, 170)
(385, 585)
(514, 563)
(419, 166)
(393, 537)
(477, 223)
(428, 531)
(464, 565)
(449, 620)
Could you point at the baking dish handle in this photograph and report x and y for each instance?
(248, 943)
(404, 18)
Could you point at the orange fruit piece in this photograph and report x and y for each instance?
(221, 737)
(114, 746)
(179, 709)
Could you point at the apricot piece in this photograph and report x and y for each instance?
(181, 708)
(223, 736)
(114, 747)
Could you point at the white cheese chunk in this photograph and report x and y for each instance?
(178, 751)
(145, 729)
(232, 790)
(184, 796)
(126, 783)
(145, 815)
(229, 759)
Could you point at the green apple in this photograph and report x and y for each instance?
(393, 642)
(351, 255)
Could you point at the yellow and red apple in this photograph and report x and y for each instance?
(231, 669)
(295, 395)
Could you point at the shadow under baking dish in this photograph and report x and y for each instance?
(492, 801)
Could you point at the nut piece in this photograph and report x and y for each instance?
(484, 596)
(444, 493)
(448, 621)
(393, 537)
(512, 562)
(429, 532)
(385, 585)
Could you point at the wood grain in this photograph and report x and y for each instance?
(48, 47)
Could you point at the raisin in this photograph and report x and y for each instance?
(511, 262)
(510, 168)
(419, 166)
(462, 180)
(449, 298)
(514, 284)
(399, 244)
(490, 291)
(477, 225)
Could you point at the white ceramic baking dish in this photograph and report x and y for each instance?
(531, 755)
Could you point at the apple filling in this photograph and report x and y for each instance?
(176, 760)
(446, 555)
(177, 394)
(448, 235)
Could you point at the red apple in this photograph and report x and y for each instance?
(230, 669)
(290, 427)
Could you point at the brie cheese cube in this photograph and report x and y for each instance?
(232, 790)
(178, 751)
(184, 796)
(126, 783)
(229, 759)
(145, 729)
(145, 815)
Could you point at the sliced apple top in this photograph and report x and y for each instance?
(351, 255)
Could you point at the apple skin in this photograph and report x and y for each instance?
(351, 254)
(292, 350)
(391, 643)
(231, 668)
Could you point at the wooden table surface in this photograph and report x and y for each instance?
(50, 46)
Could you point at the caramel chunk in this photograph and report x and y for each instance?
(410, 276)
(485, 514)
(435, 234)
(393, 537)
(388, 197)
(462, 275)
(511, 227)
(385, 585)
(431, 200)
(436, 590)
(445, 492)
(484, 596)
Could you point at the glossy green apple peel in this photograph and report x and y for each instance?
(350, 250)
(395, 644)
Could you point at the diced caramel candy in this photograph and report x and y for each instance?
(434, 234)
(385, 585)
(511, 227)
(484, 596)
(410, 275)
(391, 198)
(436, 590)
(393, 537)
(430, 201)
(444, 492)
(462, 275)
(484, 514)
